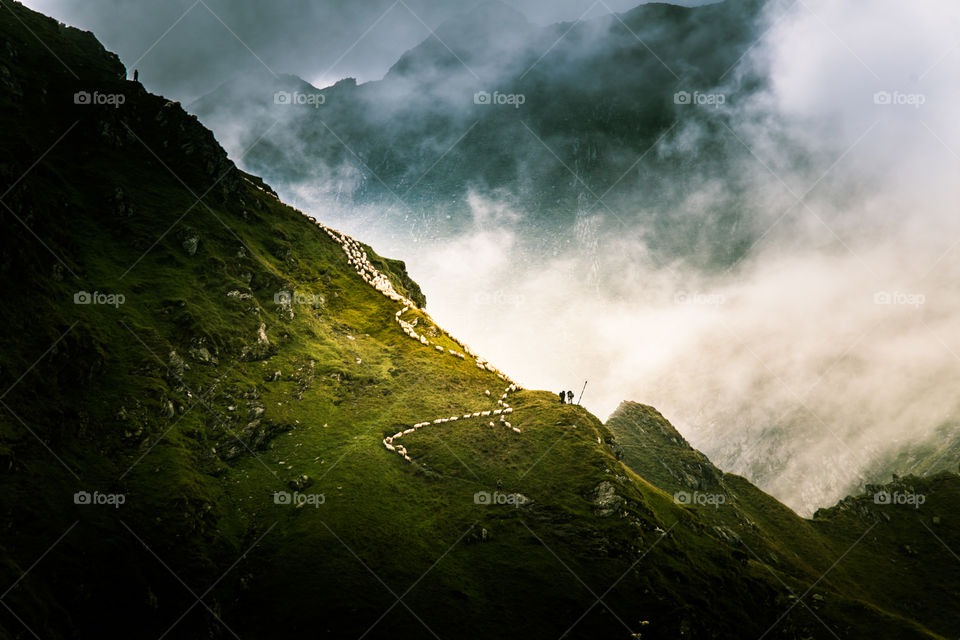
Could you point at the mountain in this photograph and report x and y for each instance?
(561, 122)
(894, 555)
(221, 417)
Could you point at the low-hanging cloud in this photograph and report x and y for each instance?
(832, 341)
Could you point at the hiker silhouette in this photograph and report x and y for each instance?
(569, 397)
(136, 75)
(562, 397)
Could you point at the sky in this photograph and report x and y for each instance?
(185, 48)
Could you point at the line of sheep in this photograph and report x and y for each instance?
(503, 410)
(408, 328)
(357, 257)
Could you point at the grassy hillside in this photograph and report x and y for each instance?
(898, 557)
(198, 382)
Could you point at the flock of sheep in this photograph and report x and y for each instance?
(503, 410)
(357, 258)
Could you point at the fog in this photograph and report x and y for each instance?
(835, 339)
(185, 48)
(830, 342)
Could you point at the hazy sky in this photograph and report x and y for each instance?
(184, 48)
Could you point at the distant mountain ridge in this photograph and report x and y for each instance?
(596, 98)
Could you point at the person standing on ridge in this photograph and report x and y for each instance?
(136, 75)
(569, 397)
(563, 395)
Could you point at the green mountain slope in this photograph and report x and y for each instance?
(199, 386)
(880, 543)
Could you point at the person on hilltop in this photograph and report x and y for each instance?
(563, 396)
(569, 397)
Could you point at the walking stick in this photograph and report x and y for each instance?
(581, 391)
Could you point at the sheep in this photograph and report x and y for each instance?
(388, 439)
(437, 421)
(398, 434)
(516, 429)
(439, 348)
(476, 414)
(410, 430)
(507, 425)
(452, 418)
(497, 412)
(389, 446)
(491, 424)
(484, 413)
(508, 410)
(487, 392)
(467, 415)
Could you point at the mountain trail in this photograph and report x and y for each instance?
(357, 257)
